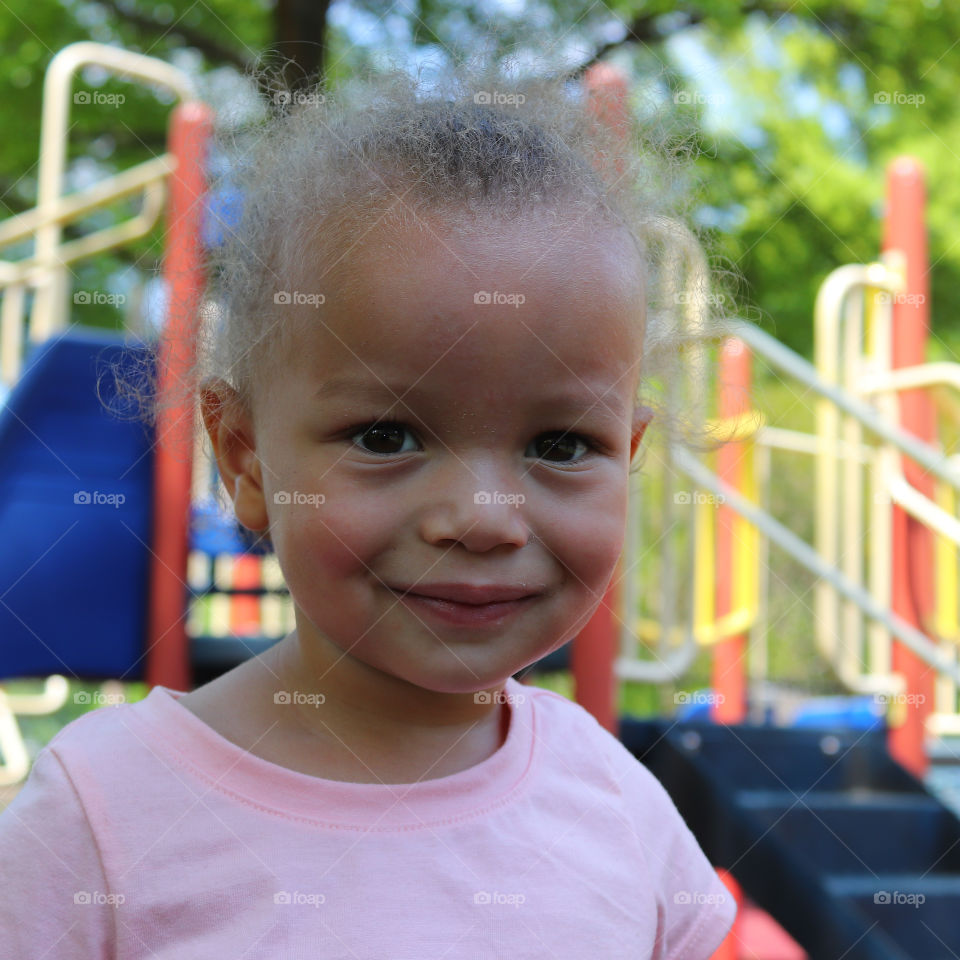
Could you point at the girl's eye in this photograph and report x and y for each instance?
(561, 443)
(387, 438)
(383, 437)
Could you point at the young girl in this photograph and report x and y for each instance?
(423, 390)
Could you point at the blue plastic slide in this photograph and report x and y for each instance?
(75, 509)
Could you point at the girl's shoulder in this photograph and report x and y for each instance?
(101, 726)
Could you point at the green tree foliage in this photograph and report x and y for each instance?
(800, 107)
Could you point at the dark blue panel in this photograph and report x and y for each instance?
(822, 828)
(75, 510)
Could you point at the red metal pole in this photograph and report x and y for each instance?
(729, 657)
(728, 676)
(913, 556)
(594, 649)
(168, 654)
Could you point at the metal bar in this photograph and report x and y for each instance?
(786, 360)
(805, 554)
(90, 198)
(909, 378)
(796, 441)
(48, 304)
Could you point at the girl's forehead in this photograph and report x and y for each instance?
(473, 248)
(556, 300)
(564, 297)
(484, 356)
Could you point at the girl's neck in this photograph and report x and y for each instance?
(392, 732)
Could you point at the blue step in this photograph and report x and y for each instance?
(822, 828)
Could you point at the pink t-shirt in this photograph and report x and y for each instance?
(142, 834)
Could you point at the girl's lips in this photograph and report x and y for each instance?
(471, 593)
(465, 614)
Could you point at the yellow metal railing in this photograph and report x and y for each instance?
(858, 472)
(707, 628)
(946, 624)
(44, 272)
(867, 372)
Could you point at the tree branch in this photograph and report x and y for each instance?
(211, 48)
(640, 30)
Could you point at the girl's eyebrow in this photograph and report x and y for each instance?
(598, 401)
(337, 385)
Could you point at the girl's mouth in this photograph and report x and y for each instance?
(463, 614)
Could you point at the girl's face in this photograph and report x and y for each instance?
(473, 355)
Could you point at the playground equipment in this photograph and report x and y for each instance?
(153, 584)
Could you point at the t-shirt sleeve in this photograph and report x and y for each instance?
(54, 900)
(694, 909)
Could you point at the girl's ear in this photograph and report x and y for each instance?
(641, 420)
(230, 429)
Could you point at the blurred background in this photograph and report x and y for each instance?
(792, 114)
(798, 108)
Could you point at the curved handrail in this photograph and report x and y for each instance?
(784, 358)
(806, 555)
(48, 312)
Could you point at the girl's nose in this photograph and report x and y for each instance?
(477, 509)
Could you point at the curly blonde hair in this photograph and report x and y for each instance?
(476, 141)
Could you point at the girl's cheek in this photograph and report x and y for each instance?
(353, 529)
(344, 533)
(590, 539)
